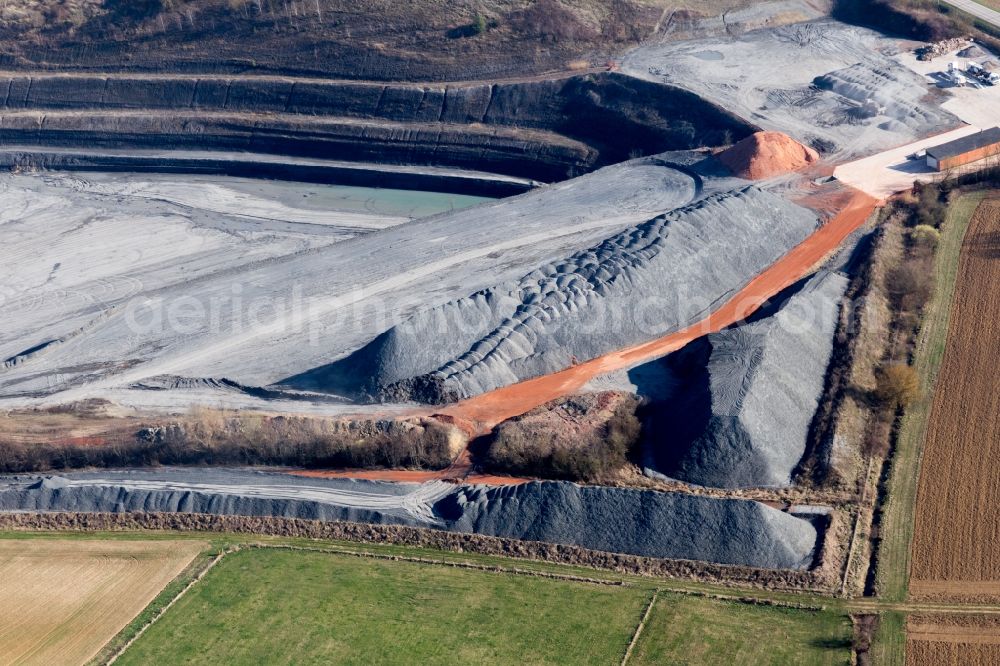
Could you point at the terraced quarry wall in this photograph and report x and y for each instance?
(956, 544)
(543, 129)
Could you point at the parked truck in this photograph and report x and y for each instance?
(983, 75)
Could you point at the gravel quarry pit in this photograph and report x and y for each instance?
(638, 522)
(284, 296)
(829, 85)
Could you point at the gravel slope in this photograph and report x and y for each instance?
(645, 282)
(314, 305)
(740, 402)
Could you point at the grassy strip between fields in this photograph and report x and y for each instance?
(149, 613)
(897, 525)
(888, 648)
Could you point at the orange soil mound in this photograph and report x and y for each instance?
(767, 154)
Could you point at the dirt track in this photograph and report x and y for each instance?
(487, 410)
(460, 469)
(956, 545)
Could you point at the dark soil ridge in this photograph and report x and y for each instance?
(639, 522)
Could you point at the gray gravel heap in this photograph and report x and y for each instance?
(745, 397)
(639, 522)
(645, 523)
(889, 91)
(645, 282)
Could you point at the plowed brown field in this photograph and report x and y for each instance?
(62, 600)
(956, 544)
(952, 641)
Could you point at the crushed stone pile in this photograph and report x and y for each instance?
(767, 154)
(873, 92)
(638, 522)
(810, 80)
(650, 523)
(743, 399)
(974, 51)
(645, 282)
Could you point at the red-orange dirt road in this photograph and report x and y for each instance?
(485, 411)
(478, 415)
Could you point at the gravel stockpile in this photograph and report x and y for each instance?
(643, 522)
(742, 400)
(640, 284)
(638, 522)
(250, 274)
(225, 492)
(887, 91)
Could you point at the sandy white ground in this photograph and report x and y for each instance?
(75, 247)
(770, 77)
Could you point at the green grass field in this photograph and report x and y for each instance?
(292, 606)
(284, 607)
(694, 630)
